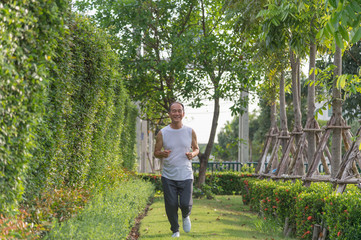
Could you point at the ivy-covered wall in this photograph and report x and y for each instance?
(66, 118)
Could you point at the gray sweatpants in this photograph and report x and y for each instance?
(177, 194)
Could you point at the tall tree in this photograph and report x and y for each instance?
(185, 50)
(220, 60)
(343, 27)
(152, 39)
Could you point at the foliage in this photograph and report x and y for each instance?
(351, 61)
(227, 146)
(310, 206)
(109, 215)
(248, 168)
(259, 125)
(286, 196)
(155, 179)
(219, 183)
(317, 204)
(17, 227)
(28, 33)
(342, 22)
(153, 40)
(342, 214)
(35, 217)
(87, 131)
(68, 127)
(203, 191)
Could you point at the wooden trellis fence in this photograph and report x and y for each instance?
(287, 167)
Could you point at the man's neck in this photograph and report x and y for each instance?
(177, 125)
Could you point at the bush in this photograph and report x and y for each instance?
(204, 191)
(286, 196)
(109, 215)
(28, 39)
(305, 207)
(342, 213)
(220, 183)
(155, 179)
(310, 206)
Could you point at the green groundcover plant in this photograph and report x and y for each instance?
(109, 215)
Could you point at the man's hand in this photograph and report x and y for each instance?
(166, 153)
(189, 155)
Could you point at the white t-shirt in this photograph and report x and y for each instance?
(177, 166)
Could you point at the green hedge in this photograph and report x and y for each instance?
(221, 183)
(28, 37)
(66, 118)
(342, 212)
(84, 137)
(110, 215)
(305, 207)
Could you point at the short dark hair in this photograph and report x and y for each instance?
(175, 103)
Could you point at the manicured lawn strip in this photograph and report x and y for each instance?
(222, 218)
(109, 215)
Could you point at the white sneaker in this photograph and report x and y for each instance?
(187, 224)
(176, 234)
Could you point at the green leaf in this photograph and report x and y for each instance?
(333, 3)
(311, 71)
(357, 36)
(356, 6)
(350, 12)
(341, 81)
(329, 28)
(339, 41)
(320, 33)
(344, 33)
(275, 22)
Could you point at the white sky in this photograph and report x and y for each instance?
(200, 119)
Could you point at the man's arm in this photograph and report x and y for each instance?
(158, 153)
(195, 148)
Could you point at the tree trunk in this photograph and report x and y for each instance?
(273, 115)
(296, 93)
(311, 136)
(337, 112)
(273, 125)
(203, 157)
(283, 116)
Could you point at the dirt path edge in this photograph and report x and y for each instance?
(134, 232)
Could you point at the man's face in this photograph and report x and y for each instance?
(176, 113)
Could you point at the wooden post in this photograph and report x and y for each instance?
(285, 156)
(320, 148)
(272, 133)
(316, 231)
(347, 162)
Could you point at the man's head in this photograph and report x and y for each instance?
(170, 106)
(176, 112)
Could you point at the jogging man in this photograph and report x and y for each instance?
(173, 144)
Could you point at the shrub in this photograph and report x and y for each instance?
(310, 205)
(306, 207)
(342, 214)
(204, 191)
(109, 215)
(155, 179)
(286, 196)
(28, 39)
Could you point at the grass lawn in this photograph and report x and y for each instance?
(222, 218)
